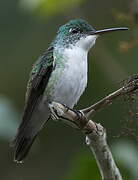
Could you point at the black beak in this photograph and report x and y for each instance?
(103, 31)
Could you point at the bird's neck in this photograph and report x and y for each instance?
(71, 56)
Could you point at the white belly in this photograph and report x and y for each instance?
(73, 79)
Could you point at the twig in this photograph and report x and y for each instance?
(130, 86)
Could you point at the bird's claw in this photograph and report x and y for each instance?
(54, 114)
(79, 114)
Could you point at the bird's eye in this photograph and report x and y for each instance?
(74, 31)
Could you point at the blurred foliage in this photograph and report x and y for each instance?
(59, 153)
(130, 124)
(49, 7)
(126, 153)
(8, 118)
(122, 16)
(84, 167)
(129, 18)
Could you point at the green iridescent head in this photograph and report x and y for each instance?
(75, 30)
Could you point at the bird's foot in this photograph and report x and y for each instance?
(60, 113)
(79, 114)
(56, 111)
(70, 122)
(54, 115)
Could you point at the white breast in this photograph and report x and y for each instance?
(73, 80)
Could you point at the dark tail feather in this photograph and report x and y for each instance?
(28, 131)
(22, 147)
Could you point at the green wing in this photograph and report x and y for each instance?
(29, 126)
(37, 83)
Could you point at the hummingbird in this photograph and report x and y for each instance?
(60, 75)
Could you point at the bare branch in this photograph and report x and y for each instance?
(98, 145)
(95, 139)
(131, 85)
(95, 133)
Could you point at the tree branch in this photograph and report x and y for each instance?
(98, 145)
(95, 133)
(95, 139)
(130, 85)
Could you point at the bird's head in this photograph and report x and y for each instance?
(79, 33)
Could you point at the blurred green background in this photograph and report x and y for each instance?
(26, 29)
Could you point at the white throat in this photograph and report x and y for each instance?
(86, 43)
(77, 54)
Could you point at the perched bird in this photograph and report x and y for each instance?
(60, 75)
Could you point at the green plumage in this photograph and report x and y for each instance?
(39, 77)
